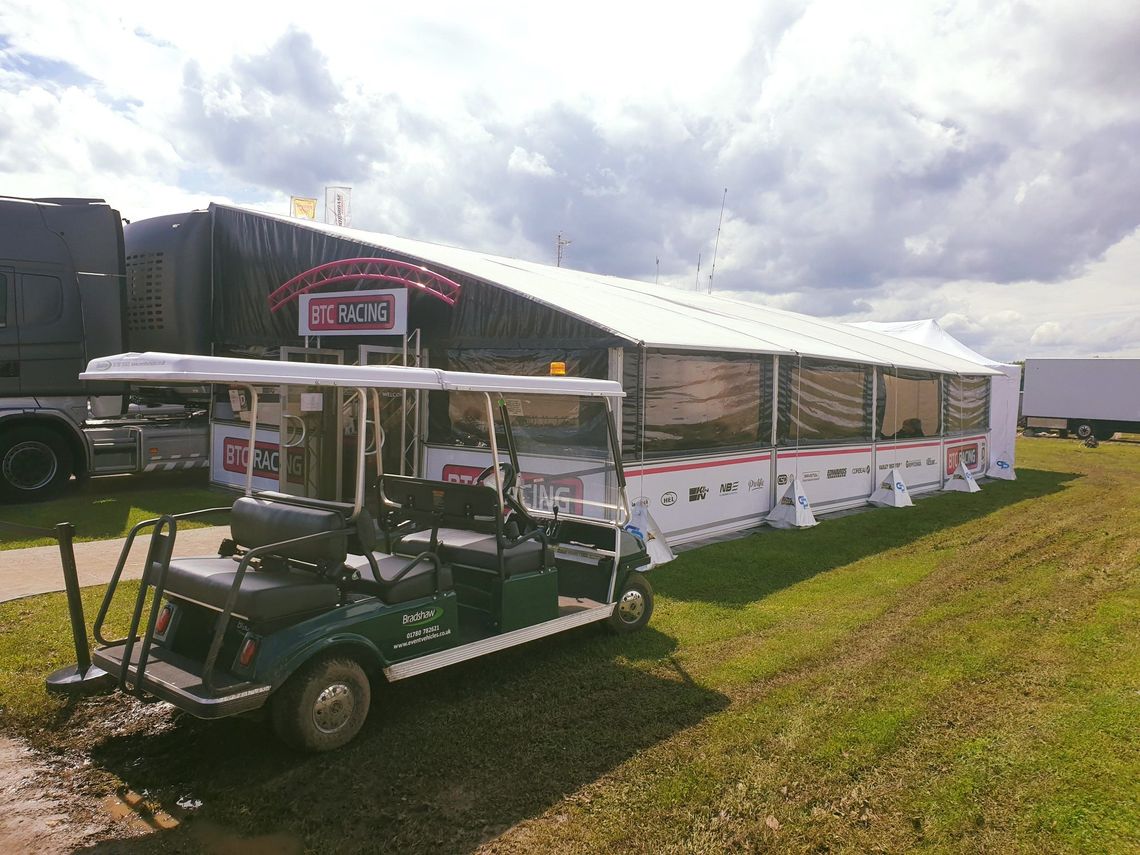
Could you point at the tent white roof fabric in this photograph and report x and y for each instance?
(927, 332)
(663, 317)
(1005, 386)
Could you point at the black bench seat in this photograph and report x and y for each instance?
(474, 549)
(287, 579)
(418, 582)
(265, 595)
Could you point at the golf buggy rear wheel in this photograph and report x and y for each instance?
(634, 605)
(322, 706)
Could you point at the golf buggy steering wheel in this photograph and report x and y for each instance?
(508, 474)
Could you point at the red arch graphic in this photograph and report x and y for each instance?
(413, 276)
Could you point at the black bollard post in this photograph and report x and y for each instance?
(82, 677)
(65, 533)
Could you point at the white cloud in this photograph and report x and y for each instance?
(1049, 333)
(528, 163)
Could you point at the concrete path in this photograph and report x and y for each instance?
(37, 569)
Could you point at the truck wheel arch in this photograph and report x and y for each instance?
(60, 427)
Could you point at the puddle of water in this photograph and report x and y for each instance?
(217, 840)
(131, 809)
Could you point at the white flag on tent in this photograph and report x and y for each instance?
(892, 492)
(793, 510)
(962, 481)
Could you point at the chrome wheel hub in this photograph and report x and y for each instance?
(29, 465)
(631, 607)
(333, 708)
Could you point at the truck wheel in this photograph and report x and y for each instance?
(35, 463)
(1083, 430)
(322, 706)
(634, 605)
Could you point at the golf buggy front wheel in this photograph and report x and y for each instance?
(634, 605)
(322, 706)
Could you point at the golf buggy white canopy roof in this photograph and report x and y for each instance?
(172, 368)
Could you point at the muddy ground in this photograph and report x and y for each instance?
(53, 799)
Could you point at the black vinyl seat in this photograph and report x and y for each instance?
(475, 549)
(265, 595)
(274, 588)
(467, 522)
(419, 581)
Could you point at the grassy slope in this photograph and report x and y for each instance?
(107, 507)
(962, 675)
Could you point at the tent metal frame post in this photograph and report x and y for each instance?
(410, 354)
(312, 456)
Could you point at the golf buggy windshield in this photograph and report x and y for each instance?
(564, 449)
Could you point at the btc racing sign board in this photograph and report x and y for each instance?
(354, 313)
(970, 453)
(229, 452)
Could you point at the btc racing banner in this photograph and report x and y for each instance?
(354, 313)
(229, 452)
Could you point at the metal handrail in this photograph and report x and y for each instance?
(108, 596)
(160, 545)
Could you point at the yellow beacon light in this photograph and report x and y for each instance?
(557, 369)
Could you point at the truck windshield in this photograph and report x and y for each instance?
(563, 446)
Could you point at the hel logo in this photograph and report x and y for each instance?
(669, 498)
(421, 617)
(266, 459)
(967, 454)
(541, 492)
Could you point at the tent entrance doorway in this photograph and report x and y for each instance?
(400, 409)
(312, 431)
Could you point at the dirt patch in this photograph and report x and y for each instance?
(39, 812)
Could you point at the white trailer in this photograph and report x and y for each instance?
(1085, 397)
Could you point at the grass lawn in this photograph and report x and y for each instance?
(963, 675)
(102, 508)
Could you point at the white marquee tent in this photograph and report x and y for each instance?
(1005, 391)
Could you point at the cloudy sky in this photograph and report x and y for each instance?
(974, 162)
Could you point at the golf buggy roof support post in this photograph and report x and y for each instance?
(494, 447)
(379, 435)
(361, 459)
(254, 397)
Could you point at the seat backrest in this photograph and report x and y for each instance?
(441, 503)
(260, 522)
(362, 536)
